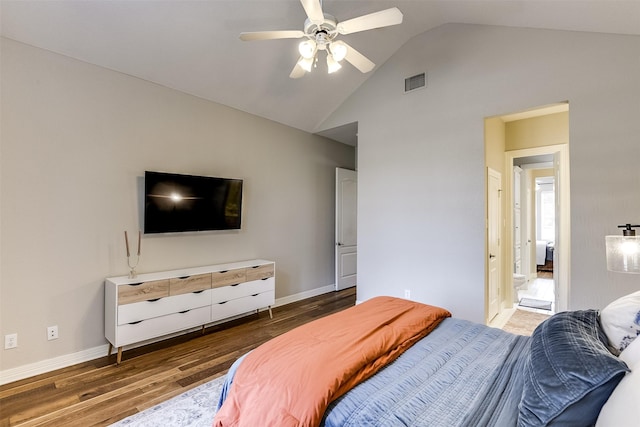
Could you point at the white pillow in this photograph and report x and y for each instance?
(621, 321)
(631, 355)
(622, 408)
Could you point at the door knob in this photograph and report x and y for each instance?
(491, 256)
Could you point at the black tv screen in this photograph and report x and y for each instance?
(179, 203)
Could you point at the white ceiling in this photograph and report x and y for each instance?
(193, 46)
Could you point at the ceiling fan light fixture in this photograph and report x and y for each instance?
(307, 49)
(338, 50)
(332, 64)
(306, 64)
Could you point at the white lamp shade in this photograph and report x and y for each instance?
(306, 64)
(623, 253)
(332, 65)
(338, 50)
(307, 49)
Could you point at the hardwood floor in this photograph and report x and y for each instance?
(98, 393)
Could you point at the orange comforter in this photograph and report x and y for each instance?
(291, 379)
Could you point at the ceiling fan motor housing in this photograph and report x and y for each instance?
(323, 33)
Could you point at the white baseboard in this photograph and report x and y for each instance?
(304, 295)
(48, 365)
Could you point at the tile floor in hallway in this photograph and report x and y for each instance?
(540, 289)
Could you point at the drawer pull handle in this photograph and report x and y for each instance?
(183, 277)
(255, 266)
(136, 284)
(135, 323)
(223, 302)
(198, 292)
(154, 300)
(236, 284)
(264, 278)
(255, 295)
(223, 271)
(183, 312)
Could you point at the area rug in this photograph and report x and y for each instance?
(535, 303)
(524, 322)
(193, 408)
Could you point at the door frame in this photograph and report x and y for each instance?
(563, 221)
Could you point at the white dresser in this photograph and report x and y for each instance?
(155, 304)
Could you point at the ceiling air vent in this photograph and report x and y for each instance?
(415, 82)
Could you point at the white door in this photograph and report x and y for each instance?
(346, 228)
(494, 187)
(517, 221)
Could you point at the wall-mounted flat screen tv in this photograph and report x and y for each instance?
(181, 203)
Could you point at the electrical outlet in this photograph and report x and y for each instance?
(10, 341)
(407, 294)
(52, 332)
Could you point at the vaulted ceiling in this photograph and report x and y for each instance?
(194, 46)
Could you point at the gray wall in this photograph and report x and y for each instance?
(76, 140)
(421, 167)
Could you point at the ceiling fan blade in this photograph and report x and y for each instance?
(313, 9)
(271, 35)
(297, 71)
(383, 18)
(357, 59)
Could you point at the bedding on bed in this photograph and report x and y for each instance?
(461, 374)
(467, 374)
(291, 379)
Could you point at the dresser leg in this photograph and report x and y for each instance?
(270, 313)
(110, 348)
(119, 359)
(202, 330)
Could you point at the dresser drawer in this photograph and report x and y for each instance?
(128, 294)
(242, 305)
(228, 277)
(231, 292)
(158, 326)
(260, 272)
(135, 312)
(187, 284)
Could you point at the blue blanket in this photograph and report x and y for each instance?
(461, 374)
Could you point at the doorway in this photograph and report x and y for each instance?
(557, 250)
(534, 232)
(517, 145)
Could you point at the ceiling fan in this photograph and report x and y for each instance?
(321, 31)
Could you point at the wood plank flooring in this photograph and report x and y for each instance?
(98, 393)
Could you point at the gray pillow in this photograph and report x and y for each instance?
(569, 373)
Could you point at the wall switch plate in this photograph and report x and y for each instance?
(52, 332)
(10, 341)
(407, 294)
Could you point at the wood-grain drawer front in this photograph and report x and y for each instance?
(158, 326)
(228, 277)
(128, 294)
(155, 308)
(231, 292)
(187, 284)
(260, 272)
(242, 305)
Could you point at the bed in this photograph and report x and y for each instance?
(459, 373)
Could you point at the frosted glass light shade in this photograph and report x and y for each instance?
(306, 64)
(332, 65)
(307, 49)
(338, 50)
(623, 253)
